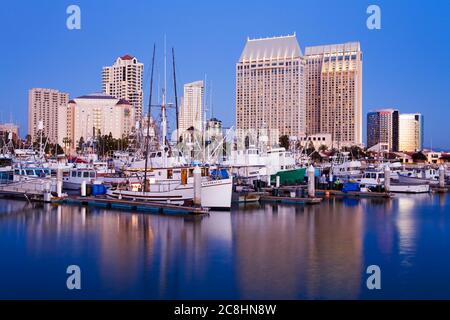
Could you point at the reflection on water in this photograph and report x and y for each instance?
(252, 252)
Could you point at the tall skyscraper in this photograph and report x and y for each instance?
(410, 132)
(334, 92)
(123, 80)
(270, 87)
(45, 105)
(383, 127)
(191, 107)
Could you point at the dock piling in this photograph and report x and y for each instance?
(59, 182)
(83, 188)
(441, 177)
(387, 179)
(311, 182)
(197, 186)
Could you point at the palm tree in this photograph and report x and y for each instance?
(67, 141)
(323, 148)
(284, 142)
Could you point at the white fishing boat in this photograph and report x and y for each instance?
(176, 186)
(344, 168)
(412, 179)
(157, 159)
(251, 164)
(73, 178)
(374, 179)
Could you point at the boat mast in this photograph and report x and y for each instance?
(163, 108)
(175, 87)
(147, 138)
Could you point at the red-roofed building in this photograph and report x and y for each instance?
(123, 80)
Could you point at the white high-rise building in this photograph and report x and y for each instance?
(92, 114)
(124, 80)
(44, 106)
(191, 107)
(410, 132)
(270, 88)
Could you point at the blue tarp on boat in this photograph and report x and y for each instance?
(350, 186)
(221, 174)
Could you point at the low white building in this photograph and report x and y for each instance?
(317, 140)
(89, 115)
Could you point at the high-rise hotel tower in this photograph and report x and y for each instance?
(45, 107)
(123, 80)
(270, 88)
(334, 92)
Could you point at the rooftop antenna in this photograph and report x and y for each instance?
(147, 140)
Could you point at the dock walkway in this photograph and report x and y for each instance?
(157, 208)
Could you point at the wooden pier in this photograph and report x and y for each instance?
(151, 207)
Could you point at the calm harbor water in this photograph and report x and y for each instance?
(252, 252)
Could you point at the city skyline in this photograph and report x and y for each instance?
(66, 64)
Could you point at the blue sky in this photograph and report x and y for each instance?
(406, 63)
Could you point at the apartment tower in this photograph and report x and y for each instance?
(334, 92)
(123, 80)
(191, 107)
(383, 128)
(45, 105)
(411, 132)
(270, 88)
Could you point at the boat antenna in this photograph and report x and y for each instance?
(175, 88)
(147, 138)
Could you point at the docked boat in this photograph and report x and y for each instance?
(373, 179)
(73, 179)
(176, 186)
(344, 168)
(423, 176)
(250, 164)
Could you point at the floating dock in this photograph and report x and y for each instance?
(354, 194)
(157, 208)
(246, 197)
(290, 200)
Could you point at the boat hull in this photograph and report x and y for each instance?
(215, 194)
(415, 181)
(405, 188)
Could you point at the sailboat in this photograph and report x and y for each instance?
(171, 182)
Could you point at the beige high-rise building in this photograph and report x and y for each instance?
(270, 87)
(191, 107)
(124, 80)
(97, 113)
(334, 92)
(410, 132)
(45, 105)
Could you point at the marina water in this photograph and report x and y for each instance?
(253, 252)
